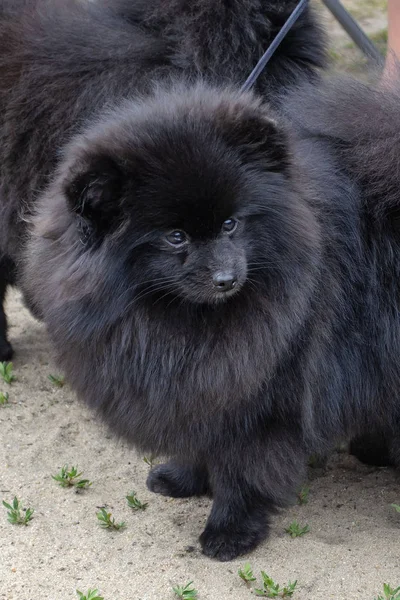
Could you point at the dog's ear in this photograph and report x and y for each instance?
(94, 193)
(258, 137)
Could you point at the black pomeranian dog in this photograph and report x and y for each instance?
(219, 281)
(61, 62)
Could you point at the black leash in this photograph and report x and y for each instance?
(260, 66)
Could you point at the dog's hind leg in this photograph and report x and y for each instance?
(394, 445)
(372, 449)
(6, 278)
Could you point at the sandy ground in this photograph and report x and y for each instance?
(352, 548)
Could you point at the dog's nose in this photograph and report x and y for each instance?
(224, 281)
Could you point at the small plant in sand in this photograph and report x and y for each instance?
(151, 460)
(134, 502)
(396, 507)
(296, 530)
(269, 589)
(247, 573)
(389, 593)
(69, 477)
(107, 521)
(57, 380)
(302, 496)
(17, 515)
(90, 595)
(186, 592)
(6, 372)
(3, 398)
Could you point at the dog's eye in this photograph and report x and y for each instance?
(229, 225)
(176, 238)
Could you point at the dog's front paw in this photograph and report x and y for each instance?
(228, 544)
(177, 481)
(6, 351)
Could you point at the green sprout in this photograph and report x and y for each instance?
(150, 460)
(396, 507)
(186, 592)
(107, 521)
(246, 574)
(295, 530)
(4, 397)
(90, 595)
(134, 502)
(57, 380)
(16, 514)
(302, 496)
(389, 593)
(70, 478)
(6, 372)
(273, 590)
(270, 589)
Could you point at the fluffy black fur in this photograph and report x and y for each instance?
(62, 61)
(366, 137)
(219, 282)
(223, 40)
